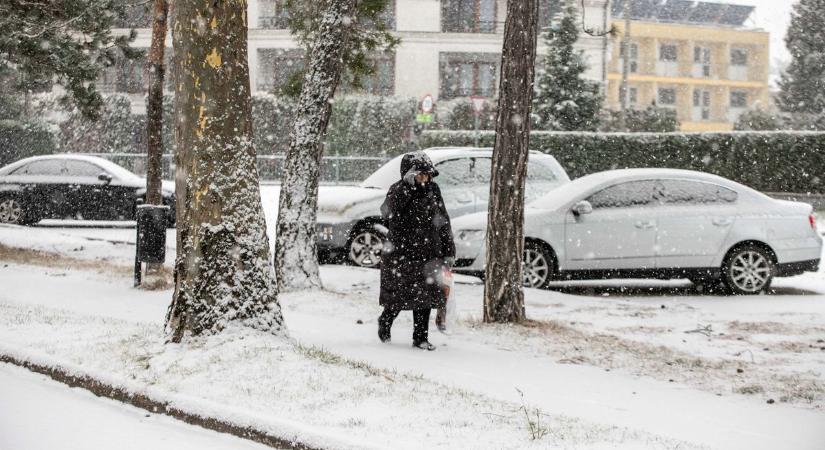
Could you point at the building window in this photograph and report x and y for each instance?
(138, 15)
(634, 57)
(668, 53)
(126, 76)
(548, 10)
(380, 82)
(738, 99)
(278, 67)
(468, 74)
(738, 57)
(738, 105)
(273, 14)
(701, 105)
(468, 16)
(667, 97)
(632, 96)
(701, 62)
(738, 70)
(667, 65)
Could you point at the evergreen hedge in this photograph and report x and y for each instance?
(21, 139)
(770, 161)
(361, 125)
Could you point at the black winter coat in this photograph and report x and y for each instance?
(419, 239)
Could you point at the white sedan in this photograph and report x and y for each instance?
(656, 223)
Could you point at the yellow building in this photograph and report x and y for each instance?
(694, 57)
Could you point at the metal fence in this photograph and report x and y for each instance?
(334, 169)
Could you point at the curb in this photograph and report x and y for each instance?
(102, 389)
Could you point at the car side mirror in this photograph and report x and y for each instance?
(105, 178)
(582, 207)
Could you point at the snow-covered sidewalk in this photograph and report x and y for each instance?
(466, 391)
(256, 380)
(602, 370)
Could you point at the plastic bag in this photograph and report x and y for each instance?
(447, 315)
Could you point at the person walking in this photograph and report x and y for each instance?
(419, 247)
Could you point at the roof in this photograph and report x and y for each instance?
(685, 12)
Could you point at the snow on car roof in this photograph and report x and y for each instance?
(563, 194)
(387, 174)
(105, 164)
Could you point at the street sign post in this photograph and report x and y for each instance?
(425, 108)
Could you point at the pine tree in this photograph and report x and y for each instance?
(563, 99)
(69, 42)
(802, 86)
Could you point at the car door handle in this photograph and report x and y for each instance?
(645, 224)
(722, 222)
(464, 200)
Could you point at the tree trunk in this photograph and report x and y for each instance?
(296, 260)
(503, 294)
(223, 273)
(154, 104)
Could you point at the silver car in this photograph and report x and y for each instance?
(656, 223)
(347, 215)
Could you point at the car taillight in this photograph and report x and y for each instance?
(812, 220)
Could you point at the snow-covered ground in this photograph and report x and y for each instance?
(607, 365)
(39, 413)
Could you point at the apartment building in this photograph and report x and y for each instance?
(697, 58)
(449, 48)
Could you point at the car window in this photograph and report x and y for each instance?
(540, 171)
(42, 167)
(686, 192)
(482, 169)
(82, 169)
(454, 172)
(627, 195)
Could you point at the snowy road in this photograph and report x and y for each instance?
(37, 413)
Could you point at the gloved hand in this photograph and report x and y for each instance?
(449, 261)
(409, 177)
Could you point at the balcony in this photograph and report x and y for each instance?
(667, 68)
(738, 73)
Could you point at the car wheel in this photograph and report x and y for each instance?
(365, 248)
(537, 267)
(11, 211)
(748, 270)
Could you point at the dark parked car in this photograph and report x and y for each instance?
(74, 187)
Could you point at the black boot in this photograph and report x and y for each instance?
(424, 345)
(385, 321)
(383, 333)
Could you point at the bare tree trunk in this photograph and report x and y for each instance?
(296, 261)
(503, 294)
(223, 273)
(154, 104)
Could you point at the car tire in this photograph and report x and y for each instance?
(365, 246)
(748, 270)
(12, 211)
(538, 265)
